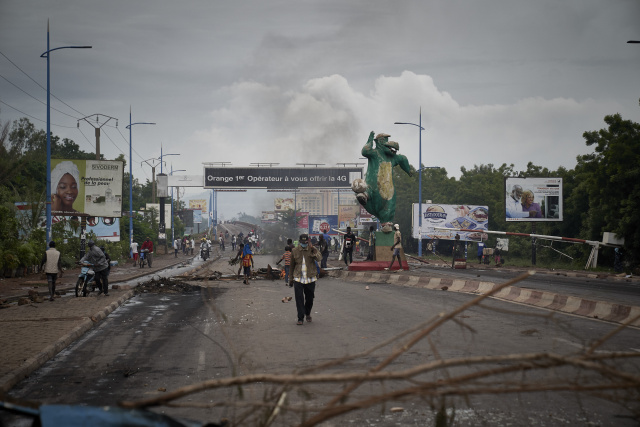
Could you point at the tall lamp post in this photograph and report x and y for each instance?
(173, 237)
(131, 176)
(47, 54)
(419, 125)
(162, 235)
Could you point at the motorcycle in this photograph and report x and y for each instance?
(86, 280)
(204, 252)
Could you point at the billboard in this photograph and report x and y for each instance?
(533, 199)
(318, 224)
(347, 215)
(86, 188)
(198, 204)
(302, 220)
(436, 218)
(107, 228)
(104, 228)
(280, 178)
(269, 217)
(281, 204)
(167, 212)
(197, 216)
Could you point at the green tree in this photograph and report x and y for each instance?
(609, 184)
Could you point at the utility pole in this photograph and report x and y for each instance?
(97, 126)
(153, 163)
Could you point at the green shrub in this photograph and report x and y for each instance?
(10, 260)
(26, 255)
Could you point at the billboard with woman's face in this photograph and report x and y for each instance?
(533, 199)
(86, 188)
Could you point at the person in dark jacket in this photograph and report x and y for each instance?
(96, 257)
(303, 272)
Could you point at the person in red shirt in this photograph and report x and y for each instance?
(148, 244)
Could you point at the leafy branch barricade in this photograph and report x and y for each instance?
(311, 396)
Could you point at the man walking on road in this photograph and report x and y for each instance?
(397, 245)
(52, 262)
(302, 276)
(349, 241)
(148, 245)
(134, 252)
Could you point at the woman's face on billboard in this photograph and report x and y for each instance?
(67, 191)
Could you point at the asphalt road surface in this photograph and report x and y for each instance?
(160, 341)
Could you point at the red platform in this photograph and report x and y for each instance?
(375, 266)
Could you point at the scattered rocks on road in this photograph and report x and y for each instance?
(165, 285)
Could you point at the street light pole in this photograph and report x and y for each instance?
(419, 125)
(131, 176)
(173, 237)
(47, 54)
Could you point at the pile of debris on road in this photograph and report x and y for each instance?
(166, 285)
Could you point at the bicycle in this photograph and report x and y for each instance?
(86, 280)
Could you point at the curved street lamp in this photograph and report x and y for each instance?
(173, 236)
(131, 178)
(46, 55)
(419, 179)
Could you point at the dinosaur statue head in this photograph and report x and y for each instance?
(386, 147)
(391, 147)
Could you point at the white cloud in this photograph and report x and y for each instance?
(327, 121)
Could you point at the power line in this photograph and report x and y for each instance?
(35, 118)
(85, 137)
(33, 97)
(42, 87)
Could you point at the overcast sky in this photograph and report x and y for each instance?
(498, 81)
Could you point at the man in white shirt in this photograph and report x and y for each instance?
(176, 246)
(514, 204)
(134, 251)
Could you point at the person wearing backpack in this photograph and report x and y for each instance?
(247, 263)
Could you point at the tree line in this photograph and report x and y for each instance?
(601, 193)
(23, 180)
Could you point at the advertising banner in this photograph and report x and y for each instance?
(347, 215)
(104, 228)
(86, 188)
(269, 217)
(318, 224)
(186, 216)
(281, 204)
(167, 212)
(198, 204)
(436, 216)
(280, 178)
(533, 199)
(197, 216)
(303, 220)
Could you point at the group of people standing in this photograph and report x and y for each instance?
(186, 245)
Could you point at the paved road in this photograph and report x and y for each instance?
(161, 341)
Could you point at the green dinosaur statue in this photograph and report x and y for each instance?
(376, 192)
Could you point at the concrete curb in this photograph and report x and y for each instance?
(9, 380)
(610, 312)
